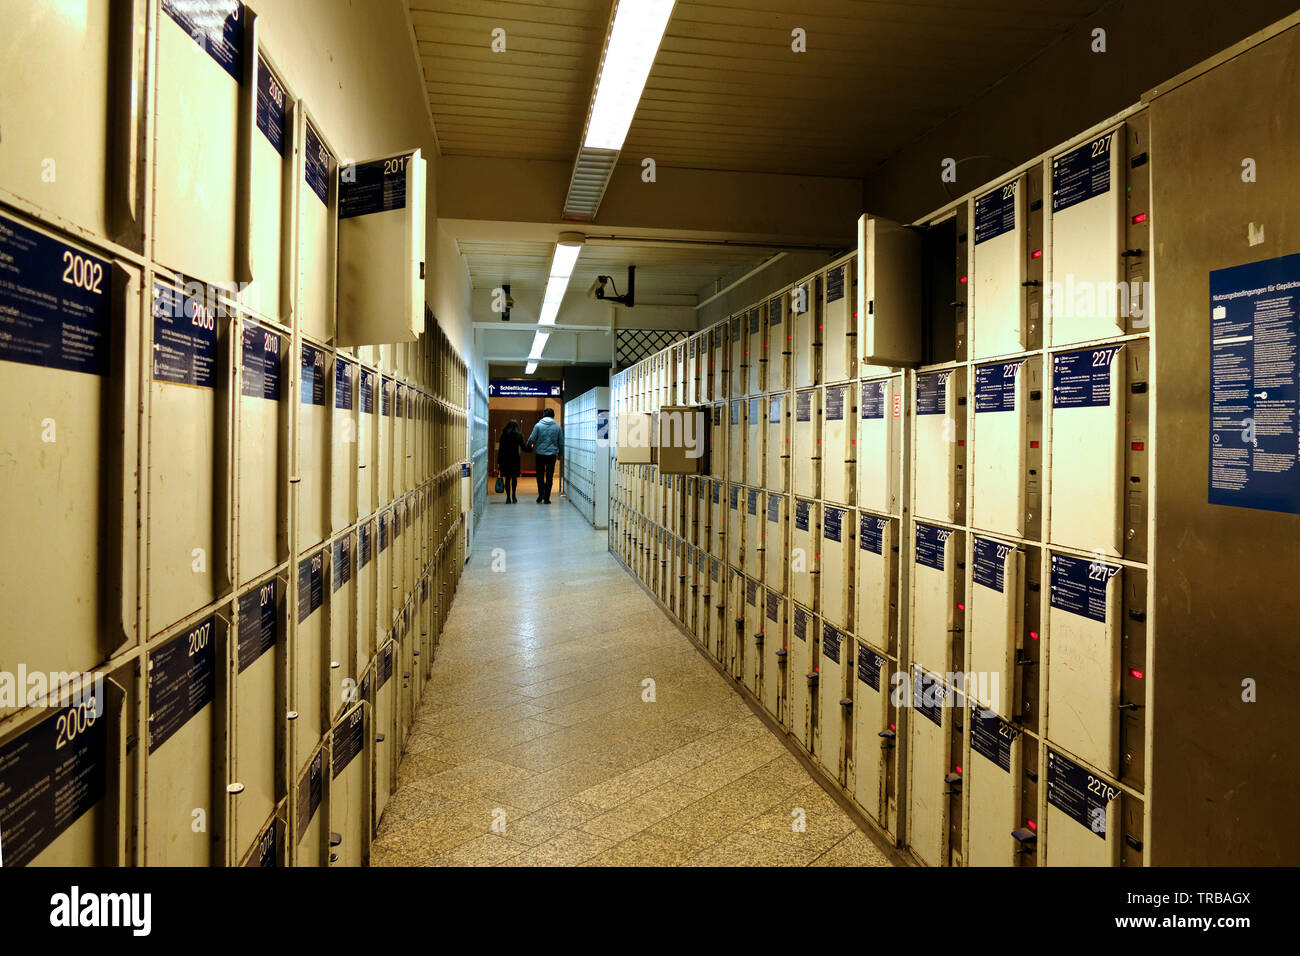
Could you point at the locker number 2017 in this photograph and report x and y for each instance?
(82, 272)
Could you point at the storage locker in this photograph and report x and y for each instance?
(997, 621)
(68, 604)
(836, 601)
(992, 781)
(1083, 815)
(367, 583)
(839, 444)
(1006, 452)
(738, 362)
(349, 789)
(874, 735)
(736, 505)
(270, 192)
(930, 763)
(261, 526)
(257, 742)
(736, 441)
(737, 623)
(880, 436)
(718, 456)
(756, 346)
(384, 444)
(833, 692)
(776, 546)
(342, 625)
(805, 316)
(751, 644)
(343, 447)
(317, 236)
(312, 468)
(677, 393)
(800, 681)
(777, 442)
(387, 580)
(939, 463)
(717, 621)
(805, 553)
(269, 849)
(1005, 300)
(754, 544)
(399, 449)
(720, 360)
(310, 647)
(938, 596)
(309, 829)
(807, 443)
(184, 799)
(387, 749)
(718, 516)
(876, 593)
(755, 442)
(695, 355)
(774, 653)
(189, 438)
(689, 589)
(367, 445)
(780, 343)
(887, 296)
(838, 326)
(201, 60)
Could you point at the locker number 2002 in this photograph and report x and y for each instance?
(82, 272)
(77, 720)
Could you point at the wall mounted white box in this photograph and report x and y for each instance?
(887, 295)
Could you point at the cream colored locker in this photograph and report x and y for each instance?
(780, 345)
(999, 447)
(717, 620)
(387, 748)
(753, 636)
(799, 668)
(693, 355)
(312, 468)
(270, 193)
(805, 553)
(718, 518)
(876, 594)
(1088, 184)
(258, 467)
(936, 591)
(736, 443)
(720, 360)
(718, 434)
(343, 447)
(317, 238)
(836, 577)
(687, 588)
(807, 443)
(997, 277)
(756, 351)
(754, 520)
(680, 394)
(873, 733)
(1087, 441)
(342, 625)
(777, 472)
(938, 475)
(735, 631)
(367, 640)
(1083, 659)
(805, 316)
(929, 762)
(774, 653)
(738, 362)
(839, 444)
(384, 574)
(755, 442)
(837, 325)
(399, 450)
(833, 690)
(189, 435)
(367, 445)
(996, 620)
(776, 545)
(880, 429)
(182, 674)
(310, 646)
(384, 445)
(258, 706)
(349, 789)
(991, 783)
(68, 378)
(200, 118)
(1083, 815)
(308, 795)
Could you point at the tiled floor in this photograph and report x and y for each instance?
(534, 746)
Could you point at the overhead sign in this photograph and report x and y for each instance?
(523, 388)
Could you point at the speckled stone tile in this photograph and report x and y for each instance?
(854, 849)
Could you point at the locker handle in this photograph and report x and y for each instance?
(846, 702)
(124, 440)
(127, 33)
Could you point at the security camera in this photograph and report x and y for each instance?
(509, 302)
(597, 290)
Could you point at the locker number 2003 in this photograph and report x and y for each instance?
(76, 721)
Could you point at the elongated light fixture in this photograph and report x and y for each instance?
(539, 344)
(566, 252)
(530, 368)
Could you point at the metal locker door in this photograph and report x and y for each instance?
(258, 468)
(313, 459)
(939, 478)
(832, 690)
(992, 784)
(399, 449)
(200, 117)
(736, 443)
(342, 624)
(756, 444)
(182, 673)
(929, 762)
(309, 641)
(718, 440)
(738, 362)
(737, 623)
(873, 734)
(735, 526)
(1083, 659)
(367, 581)
(69, 373)
(386, 748)
(367, 469)
(805, 309)
(317, 237)
(836, 576)
(1087, 442)
(257, 738)
(717, 616)
(343, 448)
(717, 518)
(270, 193)
(836, 326)
(880, 425)
(999, 447)
(777, 471)
(703, 601)
(754, 551)
(384, 448)
(996, 612)
(685, 585)
(780, 343)
(756, 351)
(691, 394)
(752, 635)
(720, 349)
(798, 667)
(189, 546)
(774, 653)
(876, 594)
(839, 445)
(678, 394)
(309, 829)
(805, 553)
(776, 545)
(937, 593)
(996, 298)
(349, 786)
(1083, 815)
(807, 454)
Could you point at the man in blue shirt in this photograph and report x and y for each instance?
(547, 440)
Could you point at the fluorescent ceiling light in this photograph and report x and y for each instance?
(530, 368)
(634, 40)
(566, 254)
(539, 344)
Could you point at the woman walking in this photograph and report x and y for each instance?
(508, 448)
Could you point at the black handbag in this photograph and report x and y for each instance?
(501, 484)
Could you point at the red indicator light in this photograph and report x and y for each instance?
(817, 670)
(1140, 217)
(892, 727)
(853, 441)
(1033, 635)
(1036, 254)
(1033, 444)
(960, 442)
(958, 769)
(1136, 673)
(961, 607)
(962, 280)
(1139, 446)
(1031, 824)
